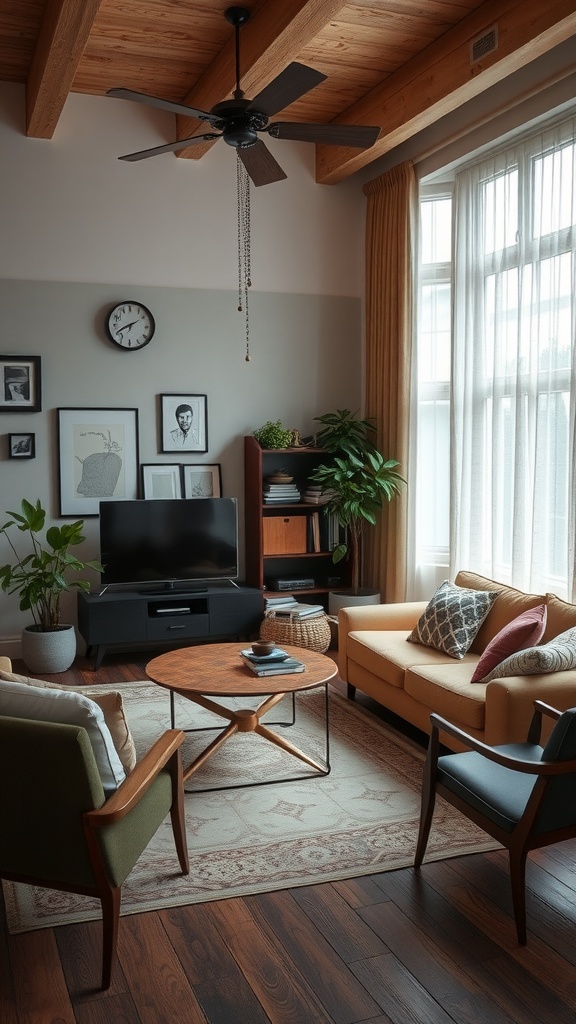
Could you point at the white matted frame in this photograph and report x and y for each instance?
(98, 458)
(202, 481)
(161, 480)
(184, 423)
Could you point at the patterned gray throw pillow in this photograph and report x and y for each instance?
(453, 618)
(558, 655)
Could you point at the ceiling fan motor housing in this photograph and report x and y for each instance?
(237, 122)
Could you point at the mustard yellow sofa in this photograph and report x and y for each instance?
(412, 680)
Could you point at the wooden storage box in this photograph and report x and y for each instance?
(284, 535)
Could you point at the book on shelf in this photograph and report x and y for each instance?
(280, 668)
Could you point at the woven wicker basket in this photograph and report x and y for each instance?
(313, 633)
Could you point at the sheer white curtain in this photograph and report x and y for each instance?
(513, 394)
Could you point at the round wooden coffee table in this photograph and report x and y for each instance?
(217, 670)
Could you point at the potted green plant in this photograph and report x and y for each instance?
(358, 479)
(273, 435)
(40, 578)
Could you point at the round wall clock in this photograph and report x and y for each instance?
(130, 325)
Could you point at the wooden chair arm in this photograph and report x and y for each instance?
(547, 709)
(517, 764)
(138, 782)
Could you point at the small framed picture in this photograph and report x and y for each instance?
(184, 423)
(20, 384)
(161, 481)
(202, 481)
(21, 446)
(98, 458)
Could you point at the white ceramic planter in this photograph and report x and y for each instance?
(346, 599)
(48, 652)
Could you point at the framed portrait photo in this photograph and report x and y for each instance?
(20, 384)
(161, 480)
(202, 481)
(98, 458)
(21, 446)
(184, 423)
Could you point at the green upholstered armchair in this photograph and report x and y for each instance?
(522, 794)
(59, 830)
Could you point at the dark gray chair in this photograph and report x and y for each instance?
(522, 794)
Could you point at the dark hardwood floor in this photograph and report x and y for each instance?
(428, 948)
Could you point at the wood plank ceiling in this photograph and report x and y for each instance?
(398, 64)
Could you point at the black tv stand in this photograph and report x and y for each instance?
(171, 616)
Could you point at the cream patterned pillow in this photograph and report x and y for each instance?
(452, 619)
(558, 655)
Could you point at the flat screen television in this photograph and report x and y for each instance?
(168, 542)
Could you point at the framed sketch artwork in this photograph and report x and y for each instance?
(20, 384)
(21, 446)
(184, 423)
(98, 458)
(161, 481)
(202, 481)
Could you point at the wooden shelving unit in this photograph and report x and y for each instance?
(260, 463)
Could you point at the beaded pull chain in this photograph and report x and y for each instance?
(244, 282)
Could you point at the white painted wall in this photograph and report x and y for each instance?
(81, 230)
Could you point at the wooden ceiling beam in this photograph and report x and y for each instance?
(271, 40)
(442, 78)
(66, 26)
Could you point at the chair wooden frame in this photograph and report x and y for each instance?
(522, 838)
(165, 752)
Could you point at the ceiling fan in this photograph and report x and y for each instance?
(239, 120)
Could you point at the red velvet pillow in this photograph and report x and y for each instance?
(524, 631)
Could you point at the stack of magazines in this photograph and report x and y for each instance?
(280, 494)
(277, 663)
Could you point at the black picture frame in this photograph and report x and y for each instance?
(22, 446)
(20, 384)
(173, 437)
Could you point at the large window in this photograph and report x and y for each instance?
(496, 368)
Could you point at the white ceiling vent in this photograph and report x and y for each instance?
(484, 44)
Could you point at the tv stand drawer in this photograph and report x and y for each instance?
(173, 627)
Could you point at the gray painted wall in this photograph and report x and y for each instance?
(80, 234)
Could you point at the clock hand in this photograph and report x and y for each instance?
(126, 327)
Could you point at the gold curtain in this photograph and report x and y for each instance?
(390, 220)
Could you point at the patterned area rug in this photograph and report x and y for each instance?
(360, 819)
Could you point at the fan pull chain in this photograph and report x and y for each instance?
(244, 254)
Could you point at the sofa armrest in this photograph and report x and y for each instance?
(510, 704)
(403, 615)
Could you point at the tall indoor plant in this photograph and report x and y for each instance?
(358, 479)
(40, 578)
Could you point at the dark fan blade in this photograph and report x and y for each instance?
(154, 101)
(329, 134)
(287, 87)
(260, 164)
(170, 147)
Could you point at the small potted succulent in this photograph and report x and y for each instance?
(40, 578)
(273, 435)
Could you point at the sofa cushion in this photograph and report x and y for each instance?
(526, 630)
(559, 655)
(446, 689)
(509, 604)
(111, 705)
(386, 655)
(561, 616)
(43, 704)
(452, 619)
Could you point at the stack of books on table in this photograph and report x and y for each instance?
(277, 663)
(288, 606)
(271, 603)
(280, 494)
